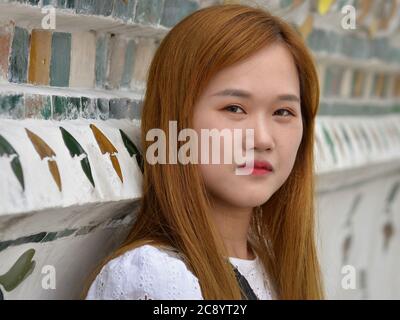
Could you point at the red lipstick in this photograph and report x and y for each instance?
(260, 167)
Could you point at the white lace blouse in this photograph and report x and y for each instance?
(148, 272)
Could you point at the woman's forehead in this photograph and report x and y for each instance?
(267, 70)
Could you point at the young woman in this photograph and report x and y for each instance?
(204, 232)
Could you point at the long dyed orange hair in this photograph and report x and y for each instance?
(174, 206)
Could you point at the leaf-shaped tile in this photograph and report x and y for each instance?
(132, 149)
(388, 231)
(53, 167)
(22, 268)
(106, 146)
(75, 149)
(41, 147)
(44, 151)
(103, 142)
(7, 149)
(117, 167)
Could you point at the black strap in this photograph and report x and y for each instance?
(247, 291)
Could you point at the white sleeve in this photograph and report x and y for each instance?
(143, 273)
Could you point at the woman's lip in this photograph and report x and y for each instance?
(260, 171)
(260, 165)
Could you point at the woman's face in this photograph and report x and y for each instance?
(270, 106)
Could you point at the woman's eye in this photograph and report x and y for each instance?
(234, 108)
(284, 112)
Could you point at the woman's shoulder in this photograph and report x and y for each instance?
(145, 272)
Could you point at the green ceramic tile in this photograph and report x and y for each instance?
(63, 4)
(88, 108)
(19, 271)
(101, 64)
(31, 238)
(66, 108)
(329, 141)
(69, 4)
(85, 230)
(59, 107)
(314, 39)
(31, 2)
(124, 9)
(175, 10)
(49, 3)
(346, 137)
(60, 59)
(65, 233)
(50, 236)
(285, 3)
(394, 190)
(5, 244)
(103, 108)
(130, 146)
(85, 6)
(122, 108)
(46, 108)
(7, 149)
(149, 11)
(137, 109)
(128, 67)
(104, 7)
(96, 7)
(19, 56)
(366, 139)
(132, 149)
(12, 106)
(75, 149)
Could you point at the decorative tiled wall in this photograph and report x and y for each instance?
(58, 107)
(70, 108)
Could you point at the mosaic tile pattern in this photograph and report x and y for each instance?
(49, 236)
(75, 148)
(18, 106)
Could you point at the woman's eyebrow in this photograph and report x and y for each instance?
(246, 94)
(288, 97)
(234, 93)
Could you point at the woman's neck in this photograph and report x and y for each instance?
(233, 225)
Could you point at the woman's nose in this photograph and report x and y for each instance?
(263, 134)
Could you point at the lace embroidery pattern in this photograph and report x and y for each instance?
(145, 273)
(150, 273)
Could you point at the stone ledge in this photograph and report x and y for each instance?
(24, 101)
(67, 20)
